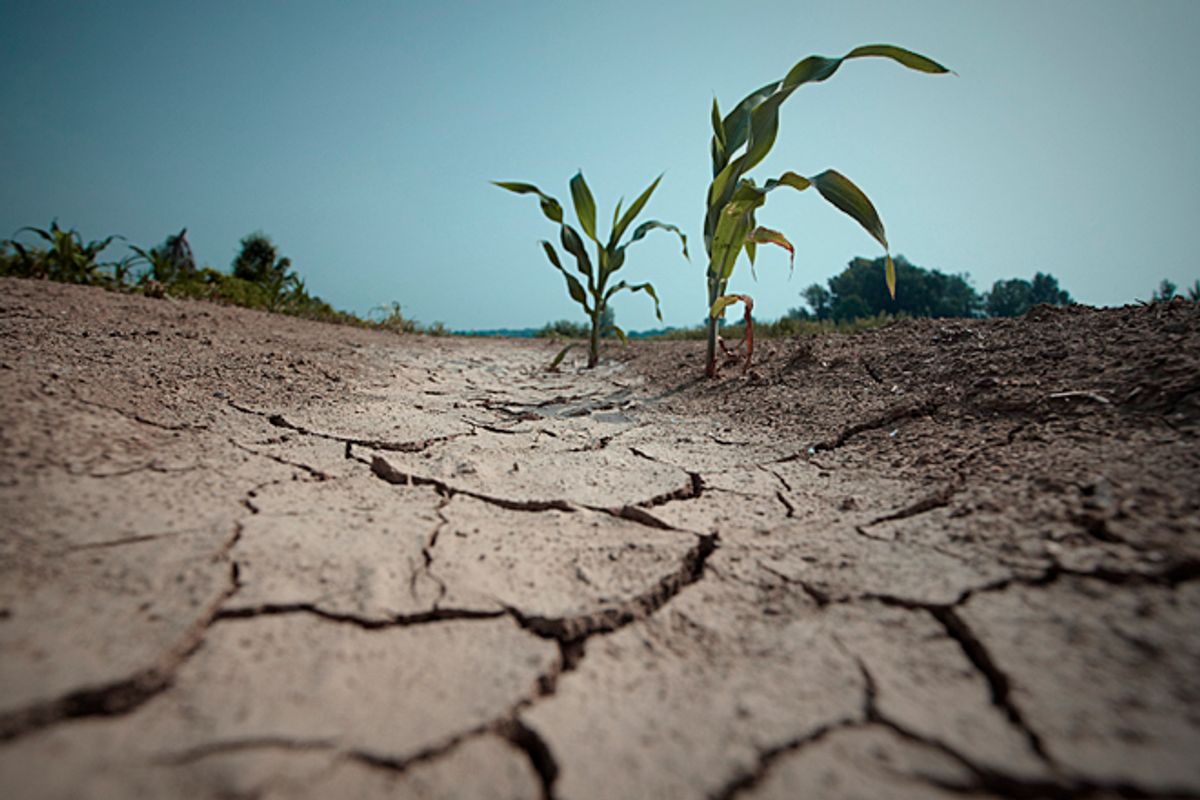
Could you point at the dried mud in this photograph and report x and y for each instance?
(248, 556)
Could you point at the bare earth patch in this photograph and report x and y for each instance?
(246, 555)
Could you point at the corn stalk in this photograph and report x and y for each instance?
(595, 294)
(740, 141)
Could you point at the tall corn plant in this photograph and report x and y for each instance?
(610, 255)
(740, 141)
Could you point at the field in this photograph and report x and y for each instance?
(249, 555)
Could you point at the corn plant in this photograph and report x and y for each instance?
(170, 262)
(610, 255)
(740, 141)
(66, 258)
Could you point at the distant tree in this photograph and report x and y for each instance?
(1165, 291)
(564, 328)
(1010, 298)
(861, 291)
(1194, 292)
(799, 312)
(259, 262)
(1015, 296)
(819, 300)
(1045, 290)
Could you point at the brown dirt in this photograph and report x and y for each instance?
(246, 555)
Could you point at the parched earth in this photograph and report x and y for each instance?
(248, 556)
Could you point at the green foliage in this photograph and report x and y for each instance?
(564, 329)
(859, 291)
(64, 258)
(1015, 296)
(390, 318)
(610, 255)
(741, 140)
(1166, 291)
(170, 269)
(170, 262)
(820, 300)
(785, 327)
(259, 262)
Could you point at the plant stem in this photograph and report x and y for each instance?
(594, 350)
(710, 364)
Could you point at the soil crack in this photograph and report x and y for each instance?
(384, 470)
(573, 630)
(124, 696)
(279, 421)
(998, 683)
(890, 417)
(366, 623)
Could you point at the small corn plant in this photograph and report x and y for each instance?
(610, 255)
(66, 259)
(740, 141)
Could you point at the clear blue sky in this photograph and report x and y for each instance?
(361, 137)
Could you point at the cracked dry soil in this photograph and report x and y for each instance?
(249, 556)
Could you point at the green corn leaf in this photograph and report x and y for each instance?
(551, 254)
(620, 333)
(561, 354)
(719, 156)
(21, 251)
(842, 193)
(728, 241)
(619, 230)
(585, 205)
(641, 287)
(617, 213)
(614, 289)
(574, 245)
(654, 224)
(648, 289)
(44, 234)
(718, 128)
(797, 182)
(615, 261)
(745, 198)
(574, 287)
(723, 302)
(898, 54)
(550, 206)
(737, 123)
(813, 69)
(576, 290)
(764, 125)
(762, 235)
(721, 183)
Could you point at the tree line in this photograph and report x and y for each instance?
(860, 291)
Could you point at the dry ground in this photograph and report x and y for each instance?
(248, 556)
